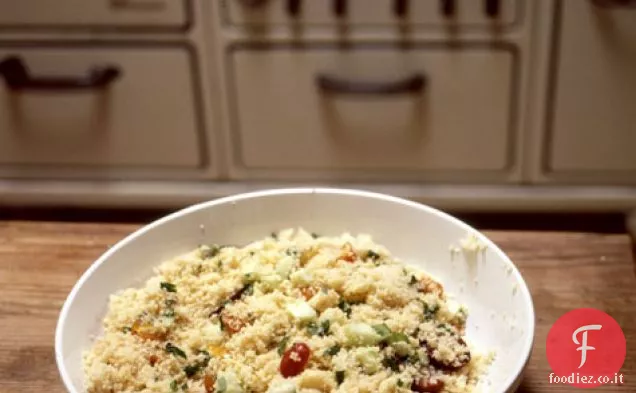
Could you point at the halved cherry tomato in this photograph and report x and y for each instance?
(294, 360)
(427, 385)
(208, 383)
(308, 292)
(348, 254)
(153, 359)
(232, 324)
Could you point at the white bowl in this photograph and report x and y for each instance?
(501, 313)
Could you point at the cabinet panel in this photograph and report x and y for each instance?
(361, 109)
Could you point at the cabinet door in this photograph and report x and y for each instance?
(592, 133)
(152, 14)
(59, 118)
(360, 110)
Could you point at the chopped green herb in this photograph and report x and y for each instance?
(315, 235)
(210, 251)
(395, 337)
(126, 329)
(176, 351)
(274, 235)
(191, 370)
(413, 281)
(252, 253)
(373, 255)
(332, 351)
(170, 302)
(219, 264)
(169, 313)
(174, 386)
(184, 387)
(168, 287)
(249, 290)
(319, 330)
(446, 327)
(221, 385)
(345, 307)
(340, 377)
(400, 383)
(430, 311)
(282, 345)
(206, 358)
(392, 363)
(383, 330)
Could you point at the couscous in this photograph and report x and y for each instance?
(294, 312)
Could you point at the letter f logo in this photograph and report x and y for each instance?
(584, 347)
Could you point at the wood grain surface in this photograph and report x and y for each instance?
(40, 262)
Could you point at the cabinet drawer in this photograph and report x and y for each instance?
(150, 14)
(593, 130)
(61, 116)
(425, 13)
(370, 110)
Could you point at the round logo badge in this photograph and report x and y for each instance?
(586, 348)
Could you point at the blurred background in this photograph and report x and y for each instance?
(474, 106)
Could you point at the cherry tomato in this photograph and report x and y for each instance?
(208, 383)
(308, 292)
(153, 359)
(427, 385)
(232, 324)
(294, 360)
(348, 254)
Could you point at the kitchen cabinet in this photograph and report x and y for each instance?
(431, 110)
(94, 14)
(591, 134)
(91, 107)
(375, 13)
(462, 104)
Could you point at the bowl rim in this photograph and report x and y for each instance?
(510, 382)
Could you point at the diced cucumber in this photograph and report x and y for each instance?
(284, 387)
(369, 359)
(285, 266)
(228, 383)
(361, 334)
(302, 311)
(301, 277)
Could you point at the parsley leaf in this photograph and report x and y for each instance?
(176, 351)
(340, 376)
(332, 351)
(282, 345)
(345, 307)
(168, 287)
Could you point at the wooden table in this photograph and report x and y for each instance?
(40, 262)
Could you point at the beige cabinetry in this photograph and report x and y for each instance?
(591, 129)
(463, 104)
(94, 14)
(379, 111)
(88, 107)
(375, 13)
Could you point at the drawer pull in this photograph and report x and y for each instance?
(448, 7)
(493, 7)
(293, 7)
(331, 84)
(340, 8)
(17, 77)
(614, 3)
(401, 8)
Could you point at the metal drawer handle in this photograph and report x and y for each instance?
(614, 3)
(17, 77)
(331, 84)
